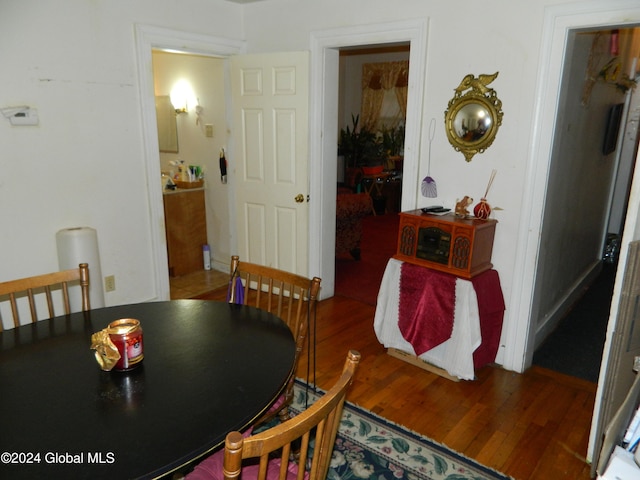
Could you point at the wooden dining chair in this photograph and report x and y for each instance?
(317, 426)
(289, 296)
(44, 285)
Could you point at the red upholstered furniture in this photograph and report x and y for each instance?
(351, 208)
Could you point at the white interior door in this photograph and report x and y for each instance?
(270, 103)
(618, 378)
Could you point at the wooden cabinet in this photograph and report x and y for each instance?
(460, 246)
(186, 229)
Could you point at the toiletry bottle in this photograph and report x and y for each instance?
(206, 256)
(184, 175)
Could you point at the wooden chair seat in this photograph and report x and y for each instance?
(273, 447)
(45, 285)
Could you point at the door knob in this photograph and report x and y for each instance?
(299, 198)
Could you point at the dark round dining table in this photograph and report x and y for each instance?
(209, 368)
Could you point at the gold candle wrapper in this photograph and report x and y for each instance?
(107, 353)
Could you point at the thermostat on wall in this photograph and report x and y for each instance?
(22, 115)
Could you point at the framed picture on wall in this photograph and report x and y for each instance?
(613, 127)
(167, 128)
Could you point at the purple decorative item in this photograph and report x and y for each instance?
(428, 187)
(235, 293)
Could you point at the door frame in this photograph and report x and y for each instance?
(323, 90)
(148, 38)
(558, 23)
(323, 140)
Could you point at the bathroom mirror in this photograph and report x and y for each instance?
(473, 115)
(167, 129)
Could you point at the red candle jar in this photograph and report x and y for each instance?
(126, 335)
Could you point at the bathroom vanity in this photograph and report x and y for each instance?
(186, 229)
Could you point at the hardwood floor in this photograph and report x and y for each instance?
(196, 283)
(529, 426)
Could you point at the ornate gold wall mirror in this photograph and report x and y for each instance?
(473, 115)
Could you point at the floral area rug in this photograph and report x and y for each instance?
(370, 447)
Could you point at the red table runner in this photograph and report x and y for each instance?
(491, 308)
(427, 305)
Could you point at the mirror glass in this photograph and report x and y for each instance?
(472, 122)
(167, 128)
(473, 115)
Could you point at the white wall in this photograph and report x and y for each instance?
(457, 44)
(468, 38)
(628, 148)
(580, 179)
(83, 164)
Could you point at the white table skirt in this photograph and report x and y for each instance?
(454, 355)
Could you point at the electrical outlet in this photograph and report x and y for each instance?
(208, 128)
(109, 283)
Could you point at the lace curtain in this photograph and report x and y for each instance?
(378, 78)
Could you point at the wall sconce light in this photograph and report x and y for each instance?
(179, 105)
(178, 101)
(182, 96)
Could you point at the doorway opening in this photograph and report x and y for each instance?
(371, 123)
(149, 38)
(198, 215)
(592, 163)
(324, 92)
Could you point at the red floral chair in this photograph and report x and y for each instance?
(351, 208)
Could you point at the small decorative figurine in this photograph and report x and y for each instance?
(461, 206)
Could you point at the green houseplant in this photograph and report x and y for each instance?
(393, 145)
(359, 146)
(393, 140)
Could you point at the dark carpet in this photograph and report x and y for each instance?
(575, 347)
(360, 279)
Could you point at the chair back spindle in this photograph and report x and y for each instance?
(323, 416)
(46, 284)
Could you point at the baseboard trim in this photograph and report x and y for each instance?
(566, 303)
